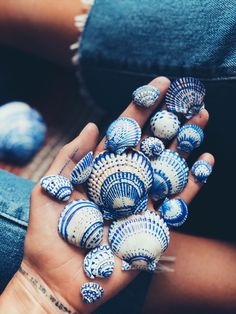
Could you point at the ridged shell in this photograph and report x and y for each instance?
(139, 240)
(99, 263)
(170, 174)
(201, 170)
(91, 292)
(174, 212)
(152, 147)
(164, 124)
(145, 96)
(185, 95)
(189, 137)
(57, 186)
(119, 183)
(123, 133)
(82, 170)
(81, 224)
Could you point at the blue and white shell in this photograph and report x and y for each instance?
(57, 186)
(82, 170)
(123, 133)
(119, 183)
(91, 292)
(174, 211)
(152, 147)
(146, 96)
(185, 95)
(189, 137)
(164, 124)
(139, 240)
(170, 174)
(100, 262)
(201, 170)
(22, 132)
(81, 224)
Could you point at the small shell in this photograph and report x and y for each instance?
(91, 292)
(123, 133)
(201, 170)
(164, 124)
(99, 263)
(185, 96)
(174, 212)
(82, 170)
(152, 147)
(57, 186)
(81, 224)
(139, 240)
(189, 137)
(145, 96)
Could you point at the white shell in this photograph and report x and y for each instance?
(201, 170)
(146, 96)
(57, 186)
(174, 212)
(82, 170)
(189, 137)
(91, 292)
(152, 147)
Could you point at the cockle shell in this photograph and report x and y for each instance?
(57, 186)
(119, 183)
(139, 240)
(185, 95)
(164, 124)
(170, 174)
(152, 147)
(81, 224)
(82, 170)
(123, 133)
(174, 212)
(201, 170)
(91, 292)
(100, 262)
(189, 137)
(146, 96)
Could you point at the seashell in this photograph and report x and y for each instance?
(57, 186)
(22, 132)
(189, 136)
(174, 212)
(201, 170)
(99, 263)
(139, 240)
(82, 170)
(81, 224)
(185, 95)
(152, 147)
(145, 96)
(91, 292)
(170, 174)
(119, 183)
(164, 124)
(123, 133)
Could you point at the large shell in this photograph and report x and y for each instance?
(201, 170)
(185, 95)
(91, 292)
(100, 262)
(152, 147)
(82, 170)
(123, 133)
(81, 224)
(164, 124)
(57, 186)
(189, 137)
(119, 183)
(139, 240)
(174, 212)
(146, 96)
(170, 174)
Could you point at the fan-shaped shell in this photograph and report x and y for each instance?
(139, 240)
(189, 137)
(82, 170)
(91, 292)
(201, 170)
(185, 95)
(174, 212)
(145, 96)
(152, 147)
(123, 133)
(57, 186)
(81, 224)
(164, 124)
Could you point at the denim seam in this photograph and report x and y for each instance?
(11, 218)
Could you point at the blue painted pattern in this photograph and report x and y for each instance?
(189, 137)
(152, 147)
(145, 96)
(174, 212)
(91, 292)
(57, 186)
(201, 170)
(164, 124)
(82, 170)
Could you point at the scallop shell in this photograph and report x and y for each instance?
(139, 240)
(201, 170)
(99, 263)
(91, 292)
(170, 174)
(164, 124)
(185, 95)
(123, 133)
(81, 224)
(57, 186)
(174, 212)
(189, 137)
(119, 183)
(145, 96)
(152, 147)
(82, 170)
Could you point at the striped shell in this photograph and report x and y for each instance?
(189, 137)
(152, 147)
(201, 170)
(174, 212)
(91, 292)
(145, 96)
(82, 170)
(57, 186)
